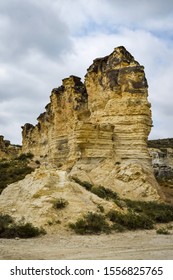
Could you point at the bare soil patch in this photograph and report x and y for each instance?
(127, 245)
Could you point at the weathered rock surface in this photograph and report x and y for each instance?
(161, 152)
(100, 127)
(95, 131)
(108, 116)
(32, 199)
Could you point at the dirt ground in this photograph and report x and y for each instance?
(138, 245)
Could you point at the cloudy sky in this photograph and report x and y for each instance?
(42, 42)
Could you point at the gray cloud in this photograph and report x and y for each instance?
(33, 40)
(27, 26)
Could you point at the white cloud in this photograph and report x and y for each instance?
(29, 26)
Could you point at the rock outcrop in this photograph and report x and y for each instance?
(161, 152)
(8, 150)
(32, 199)
(99, 128)
(94, 132)
(108, 116)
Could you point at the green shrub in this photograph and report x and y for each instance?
(100, 191)
(120, 203)
(9, 229)
(130, 220)
(158, 212)
(87, 185)
(4, 164)
(112, 215)
(91, 223)
(101, 208)
(84, 184)
(5, 221)
(25, 156)
(22, 171)
(60, 203)
(12, 171)
(21, 230)
(104, 192)
(162, 231)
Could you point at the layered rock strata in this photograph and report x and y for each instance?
(98, 129)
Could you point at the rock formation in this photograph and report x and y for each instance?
(106, 117)
(99, 128)
(94, 132)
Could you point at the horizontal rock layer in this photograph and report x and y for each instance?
(99, 127)
(94, 132)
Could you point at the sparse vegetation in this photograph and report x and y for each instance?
(12, 171)
(130, 220)
(91, 223)
(101, 208)
(10, 229)
(158, 212)
(136, 214)
(104, 192)
(84, 184)
(60, 203)
(25, 156)
(99, 191)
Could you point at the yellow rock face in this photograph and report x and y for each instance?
(99, 128)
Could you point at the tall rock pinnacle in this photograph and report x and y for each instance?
(102, 123)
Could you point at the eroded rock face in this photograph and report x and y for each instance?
(99, 128)
(117, 95)
(32, 200)
(94, 132)
(161, 152)
(54, 137)
(107, 116)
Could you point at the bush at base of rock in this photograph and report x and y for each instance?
(10, 229)
(91, 223)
